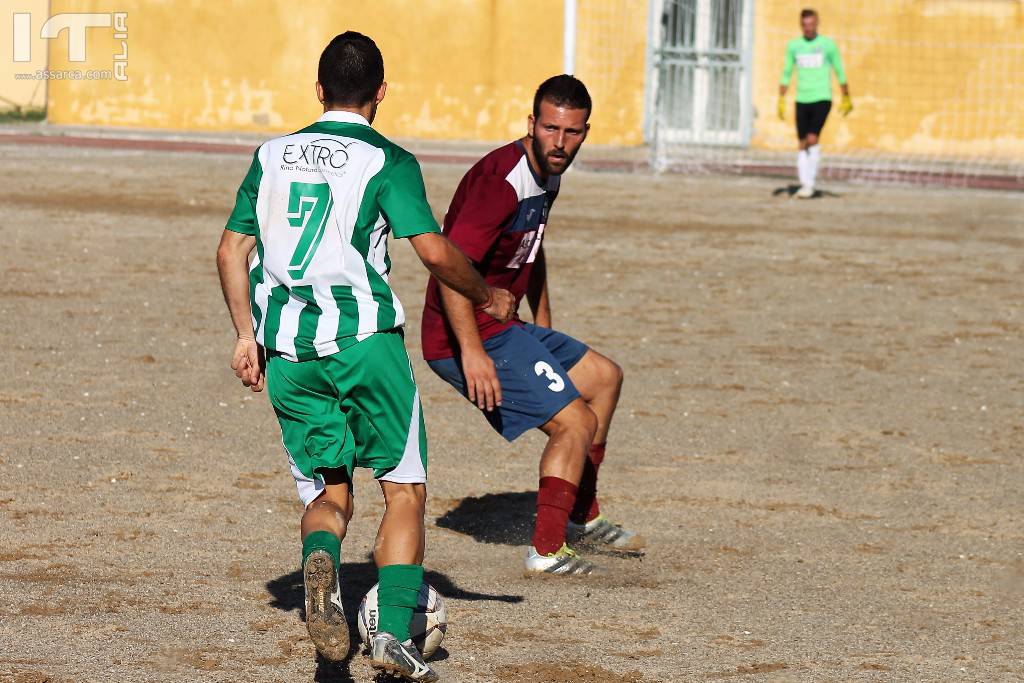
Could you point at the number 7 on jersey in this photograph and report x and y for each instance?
(309, 207)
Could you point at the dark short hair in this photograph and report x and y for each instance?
(807, 13)
(563, 91)
(351, 69)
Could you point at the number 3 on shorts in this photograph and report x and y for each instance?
(545, 369)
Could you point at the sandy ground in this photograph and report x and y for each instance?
(820, 435)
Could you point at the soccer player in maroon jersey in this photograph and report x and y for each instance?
(524, 375)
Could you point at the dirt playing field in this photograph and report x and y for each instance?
(820, 436)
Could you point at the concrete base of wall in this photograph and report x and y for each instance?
(598, 158)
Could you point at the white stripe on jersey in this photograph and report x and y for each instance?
(327, 326)
(286, 333)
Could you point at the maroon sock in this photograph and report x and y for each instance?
(586, 507)
(554, 501)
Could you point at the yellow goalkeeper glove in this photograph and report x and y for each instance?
(782, 108)
(846, 106)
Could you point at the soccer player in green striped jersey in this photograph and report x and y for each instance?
(317, 321)
(815, 58)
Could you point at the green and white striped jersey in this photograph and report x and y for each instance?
(321, 203)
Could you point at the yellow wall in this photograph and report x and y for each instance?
(939, 77)
(456, 69)
(16, 92)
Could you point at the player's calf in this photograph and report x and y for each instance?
(399, 554)
(400, 537)
(324, 525)
(326, 515)
(600, 382)
(570, 434)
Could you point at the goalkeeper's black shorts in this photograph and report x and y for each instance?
(810, 117)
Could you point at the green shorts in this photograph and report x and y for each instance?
(356, 408)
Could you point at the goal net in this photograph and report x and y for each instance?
(936, 87)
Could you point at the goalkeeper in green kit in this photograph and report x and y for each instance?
(815, 57)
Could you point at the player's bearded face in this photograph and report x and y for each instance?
(556, 136)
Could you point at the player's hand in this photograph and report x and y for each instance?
(482, 386)
(501, 305)
(249, 364)
(846, 106)
(782, 108)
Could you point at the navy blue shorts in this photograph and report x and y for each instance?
(533, 365)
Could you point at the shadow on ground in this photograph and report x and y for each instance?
(503, 518)
(356, 579)
(287, 594)
(333, 672)
(791, 190)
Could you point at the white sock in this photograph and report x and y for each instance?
(813, 157)
(803, 166)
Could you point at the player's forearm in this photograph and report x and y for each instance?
(462, 319)
(782, 90)
(449, 265)
(845, 88)
(233, 267)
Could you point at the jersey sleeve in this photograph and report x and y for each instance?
(403, 199)
(837, 62)
(490, 200)
(787, 68)
(243, 216)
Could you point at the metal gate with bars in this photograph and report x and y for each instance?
(701, 59)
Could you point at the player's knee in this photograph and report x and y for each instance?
(609, 374)
(576, 422)
(615, 375)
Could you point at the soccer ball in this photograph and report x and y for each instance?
(429, 619)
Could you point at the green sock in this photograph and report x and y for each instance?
(397, 596)
(322, 540)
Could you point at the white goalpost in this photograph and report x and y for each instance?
(936, 86)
